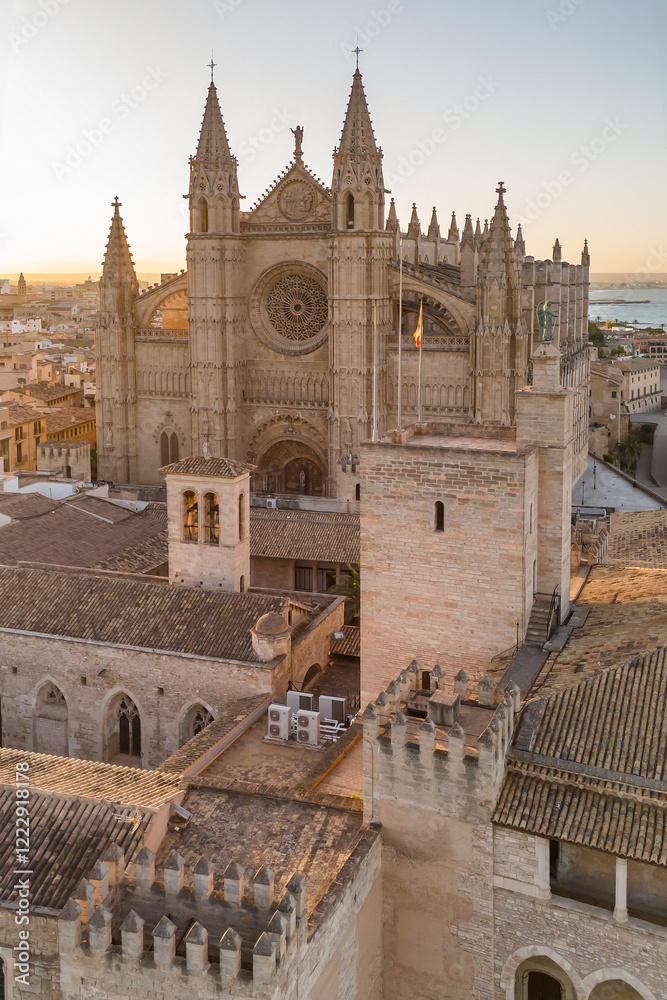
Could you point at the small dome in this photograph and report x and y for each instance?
(271, 624)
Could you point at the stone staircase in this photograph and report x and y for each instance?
(537, 632)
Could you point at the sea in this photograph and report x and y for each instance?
(651, 313)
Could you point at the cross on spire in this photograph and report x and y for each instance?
(500, 190)
(212, 66)
(357, 51)
(115, 203)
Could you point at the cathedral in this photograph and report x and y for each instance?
(278, 345)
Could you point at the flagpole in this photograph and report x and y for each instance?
(421, 346)
(376, 436)
(400, 336)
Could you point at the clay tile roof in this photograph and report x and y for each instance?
(83, 531)
(45, 391)
(67, 416)
(141, 613)
(350, 645)
(90, 779)
(219, 468)
(78, 809)
(589, 764)
(301, 534)
(22, 414)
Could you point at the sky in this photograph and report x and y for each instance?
(563, 100)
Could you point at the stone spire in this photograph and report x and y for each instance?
(392, 218)
(485, 232)
(497, 249)
(213, 149)
(357, 140)
(557, 252)
(214, 189)
(358, 168)
(468, 236)
(414, 229)
(22, 288)
(585, 256)
(434, 228)
(453, 234)
(118, 266)
(519, 243)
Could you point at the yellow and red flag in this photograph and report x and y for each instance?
(420, 327)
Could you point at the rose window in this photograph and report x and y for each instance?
(297, 307)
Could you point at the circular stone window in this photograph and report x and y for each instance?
(290, 309)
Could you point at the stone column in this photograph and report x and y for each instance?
(621, 907)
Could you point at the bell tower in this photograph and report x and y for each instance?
(116, 393)
(360, 251)
(215, 255)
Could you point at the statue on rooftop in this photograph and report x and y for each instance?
(545, 317)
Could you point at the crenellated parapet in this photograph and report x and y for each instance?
(453, 760)
(167, 921)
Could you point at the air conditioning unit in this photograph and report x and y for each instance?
(298, 700)
(333, 708)
(280, 722)
(308, 728)
(271, 504)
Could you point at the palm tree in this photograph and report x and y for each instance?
(350, 589)
(629, 452)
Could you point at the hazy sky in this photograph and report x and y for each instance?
(564, 100)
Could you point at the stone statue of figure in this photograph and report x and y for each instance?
(298, 139)
(545, 316)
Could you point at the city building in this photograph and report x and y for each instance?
(608, 414)
(262, 351)
(640, 387)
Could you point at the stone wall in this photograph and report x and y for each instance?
(334, 955)
(28, 661)
(584, 942)
(434, 804)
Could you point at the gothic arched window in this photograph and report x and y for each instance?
(203, 215)
(349, 210)
(190, 517)
(439, 516)
(51, 721)
(168, 448)
(195, 720)
(129, 728)
(211, 519)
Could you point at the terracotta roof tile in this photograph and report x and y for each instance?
(81, 531)
(307, 535)
(216, 467)
(61, 417)
(588, 765)
(350, 645)
(146, 614)
(90, 779)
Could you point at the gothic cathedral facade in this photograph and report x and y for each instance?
(264, 349)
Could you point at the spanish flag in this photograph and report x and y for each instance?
(420, 327)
